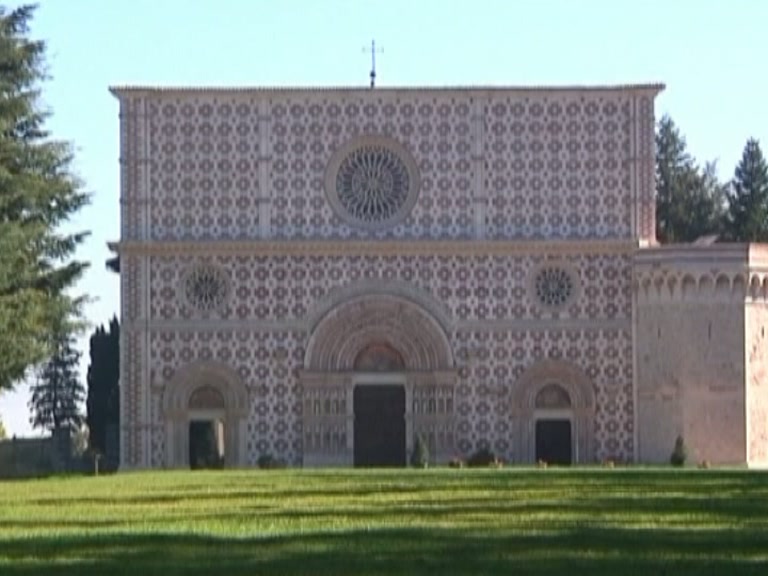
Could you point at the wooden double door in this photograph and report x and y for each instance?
(553, 441)
(379, 426)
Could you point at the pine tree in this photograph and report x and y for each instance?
(57, 391)
(748, 197)
(38, 193)
(689, 201)
(103, 403)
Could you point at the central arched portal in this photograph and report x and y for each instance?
(379, 372)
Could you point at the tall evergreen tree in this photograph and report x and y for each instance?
(3, 433)
(57, 391)
(705, 205)
(103, 403)
(689, 200)
(748, 197)
(38, 193)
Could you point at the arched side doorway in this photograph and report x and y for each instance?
(371, 365)
(207, 418)
(205, 406)
(553, 408)
(553, 434)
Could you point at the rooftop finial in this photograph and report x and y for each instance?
(373, 61)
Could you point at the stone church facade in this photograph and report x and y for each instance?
(325, 275)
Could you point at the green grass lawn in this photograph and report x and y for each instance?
(332, 522)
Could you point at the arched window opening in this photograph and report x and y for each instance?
(552, 396)
(379, 357)
(206, 398)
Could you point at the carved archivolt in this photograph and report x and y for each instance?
(373, 288)
(199, 384)
(540, 377)
(206, 398)
(552, 397)
(410, 332)
(379, 357)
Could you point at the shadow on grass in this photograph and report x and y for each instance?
(590, 550)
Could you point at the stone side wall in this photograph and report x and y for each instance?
(689, 350)
(757, 372)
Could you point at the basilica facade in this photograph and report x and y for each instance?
(325, 275)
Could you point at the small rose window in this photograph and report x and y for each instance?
(206, 288)
(554, 286)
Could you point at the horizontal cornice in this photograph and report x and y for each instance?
(693, 254)
(411, 247)
(479, 90)
(304, 325)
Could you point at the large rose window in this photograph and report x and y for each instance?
(372, 182)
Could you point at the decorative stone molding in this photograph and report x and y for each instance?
(249, 92)
(216, 375)
(345, 331)
(700, 273)
(372, 288)
(552, 396)
(381, 247)
(372, 182)
(686, 286)
(512, 325)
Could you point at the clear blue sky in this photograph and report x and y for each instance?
(710, 54)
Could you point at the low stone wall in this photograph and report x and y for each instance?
(32, 457)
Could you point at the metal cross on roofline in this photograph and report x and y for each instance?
(373, 51)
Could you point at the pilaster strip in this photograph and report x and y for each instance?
(264, 197)
(146, 281)
(633, 167)
(480, 198)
